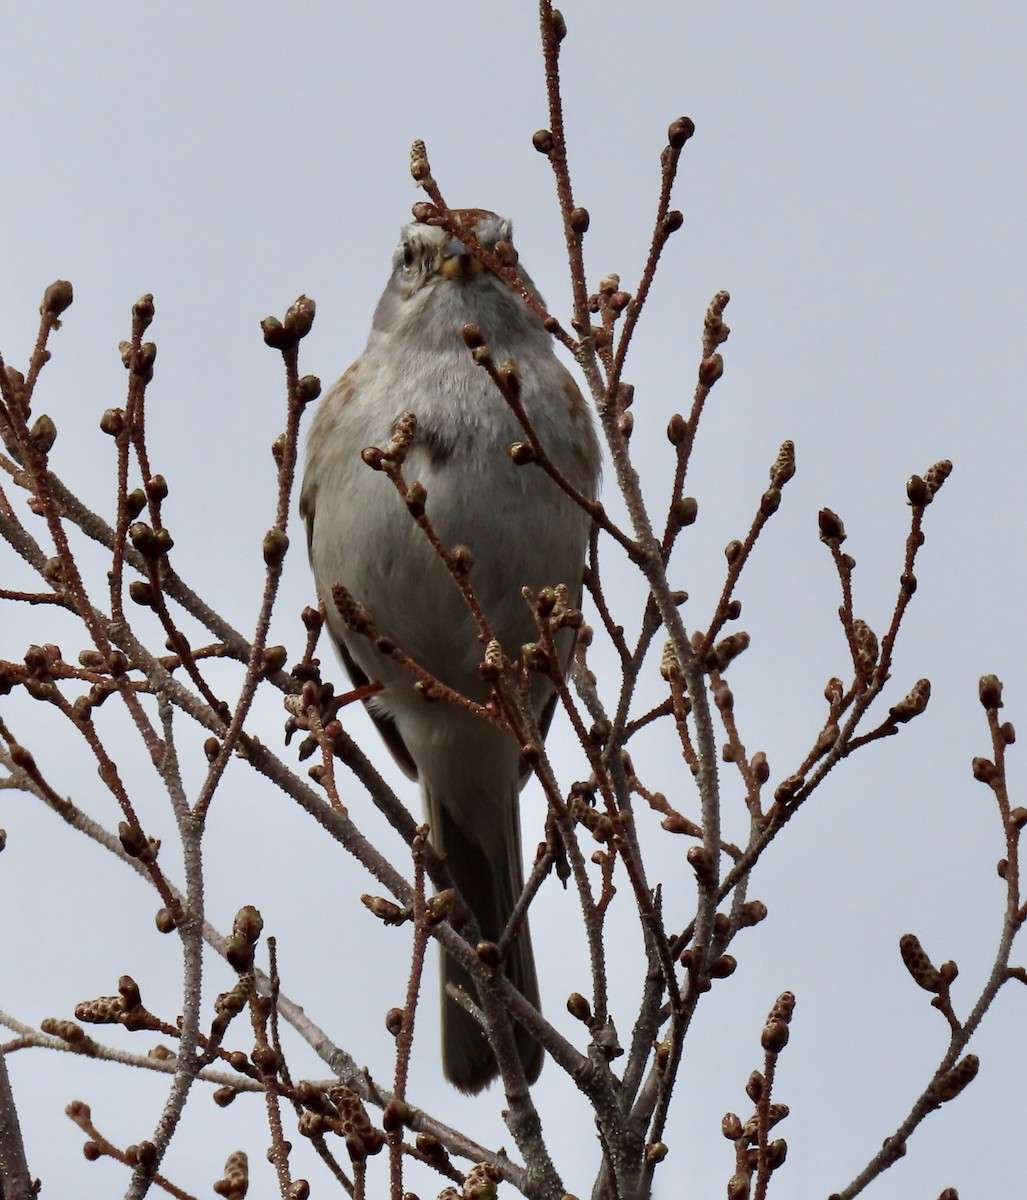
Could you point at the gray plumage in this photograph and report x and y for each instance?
(521, 529)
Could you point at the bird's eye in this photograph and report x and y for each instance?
(408, 256)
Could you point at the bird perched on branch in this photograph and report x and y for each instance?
(522, 531)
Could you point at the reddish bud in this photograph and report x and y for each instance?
(710, 370)
(680, 131)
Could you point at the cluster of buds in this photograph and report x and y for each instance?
(480, 1183)
(124, 1009)
(726, 650)
(228, 1005)
(340, 1111)
(67, 1031)
(914, 703)
(286, 335)
(236, 1180)
(314, 699)
(747, 1136)
(596, 822)
(948, 1085)
(715, 332)
(609, 300)
(390, 457)
(921, 489)
(867, 648)
(923, 972)
(242, 942)
(775, 1031)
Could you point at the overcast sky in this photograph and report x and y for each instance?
(857, 182)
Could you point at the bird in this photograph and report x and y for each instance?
(522, 531)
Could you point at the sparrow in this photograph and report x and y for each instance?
(522, 529)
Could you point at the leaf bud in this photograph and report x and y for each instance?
(770, 501)
(774, 1037)
(461, 559)
(276, 335)
(275, 658)
(832, 531)
(276, 543)
(711, 369)
(731, 1126)
(415, 499)
(57, 297)
(135, 502)
(918, 492)
(299, 317)
(984, 770)
(473, 337)
(143, 312)
(954, 1080)
(488, 953)
(141, 536)
(677, 429)
(308, 387)
(166, 920)
(703, 865)
(386, 910)
(579, 1007)
(990, 691)
(680, 131)
(43, 434)
(394, 1022)
(113, 421)
(684, 510)
(157, 488)
(777, 1152)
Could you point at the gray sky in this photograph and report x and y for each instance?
(857, 183)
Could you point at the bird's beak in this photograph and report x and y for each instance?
(457, 262)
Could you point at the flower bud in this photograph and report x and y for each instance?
(918, 964)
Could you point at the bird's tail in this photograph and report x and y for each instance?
(491, 884)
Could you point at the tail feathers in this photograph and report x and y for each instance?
(491, 889)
